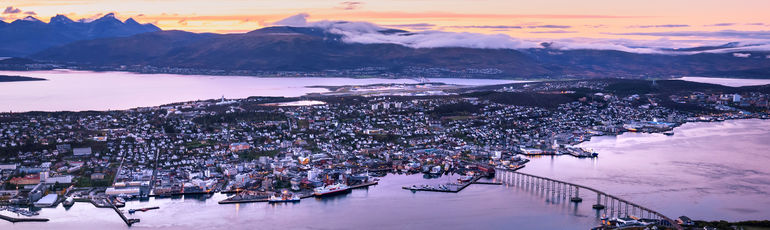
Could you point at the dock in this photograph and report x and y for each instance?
(301, 196)
(364, 185)
(14, 219)
(488, 182)
(132, 211)
(128, 221)
(453, 189)
(106, 203)
(229, 201)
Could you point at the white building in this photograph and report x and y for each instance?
(81, 151)
(47, 201)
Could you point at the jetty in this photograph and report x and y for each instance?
(488, 182)
(14, 219)
(132, 211)
(301, 195)
(128, 221)
(107, 203)
(451, 188)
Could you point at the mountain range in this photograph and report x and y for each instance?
(111, 44)
(30, 35)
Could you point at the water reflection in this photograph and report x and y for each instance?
(83, 90)
(706, 170)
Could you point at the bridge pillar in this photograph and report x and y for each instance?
(598, 205)
(552, 188)
(564, 193)
(626, 209)
(577, 198)
(606, 199)
(612, 207)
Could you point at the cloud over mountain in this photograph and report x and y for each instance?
(424, 37)
(369, 33)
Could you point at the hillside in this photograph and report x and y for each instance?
(306, 49)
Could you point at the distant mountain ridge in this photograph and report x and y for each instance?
(29, 35)
(310, 49)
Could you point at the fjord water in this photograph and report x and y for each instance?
(68, 90)
(711, 171)
(732, 82)
(706, 171)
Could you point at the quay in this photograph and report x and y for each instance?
(128, 221)
(488, 182)
(612, 206)
(455, 189)
(132, 211)
(14, 219)
(106, 203)
(301, 196)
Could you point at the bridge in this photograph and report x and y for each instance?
(612, 206)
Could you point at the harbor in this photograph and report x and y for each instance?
(240, 198)
(448, 187)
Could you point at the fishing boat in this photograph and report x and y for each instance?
(283, 198)
(465, 179)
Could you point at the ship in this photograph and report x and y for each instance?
(331, 189)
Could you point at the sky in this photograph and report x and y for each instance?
(666, 23)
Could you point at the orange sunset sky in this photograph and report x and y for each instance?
(606, 19)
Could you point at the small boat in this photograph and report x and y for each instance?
(465, 179)
(668, 133)
(68, 202)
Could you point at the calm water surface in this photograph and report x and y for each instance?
(733, 82)
(84, 90)
(706, 171)
(384, 206)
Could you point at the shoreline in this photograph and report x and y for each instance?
(9, 78)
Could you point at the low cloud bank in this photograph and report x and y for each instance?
(369, 33)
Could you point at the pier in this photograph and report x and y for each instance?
(455, 188)
(612, 206)
(107, 203)
(14, 219)
(301, 196)
(128, 221)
